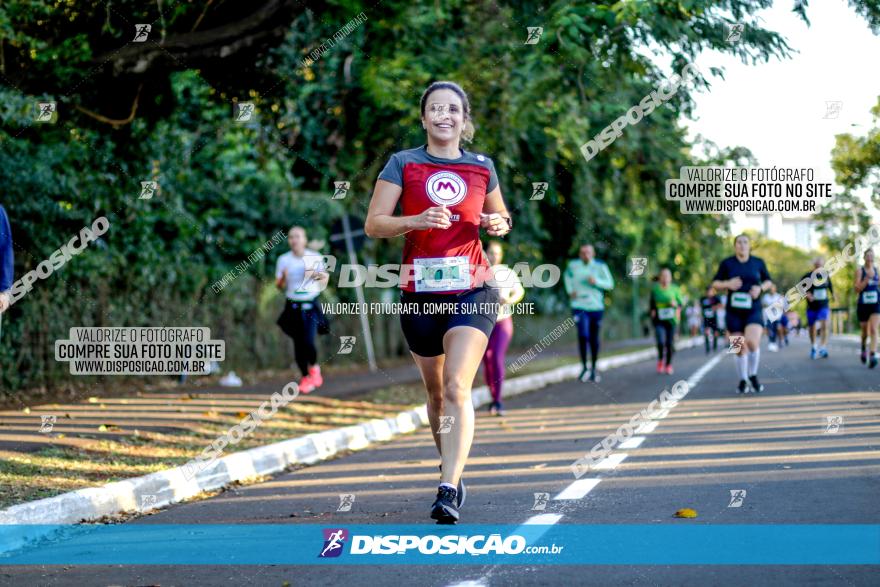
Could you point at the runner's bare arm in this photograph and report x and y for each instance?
(495, 213)
(381, 222)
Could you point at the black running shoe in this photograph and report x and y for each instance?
(873, 362)
(756, 385)
(444, 509)
(462, 490)
(584, 376)
(743, 386)
(864, 356)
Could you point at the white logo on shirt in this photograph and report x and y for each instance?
(446, 188)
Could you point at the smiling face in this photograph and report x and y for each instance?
(444, 116)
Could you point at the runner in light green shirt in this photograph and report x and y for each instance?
(586, 281)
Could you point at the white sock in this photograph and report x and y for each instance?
(449, 485)
(742, 366)
(754, 359)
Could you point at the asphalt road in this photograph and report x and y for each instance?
(776, 446)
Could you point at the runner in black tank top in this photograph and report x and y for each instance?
(867, 287)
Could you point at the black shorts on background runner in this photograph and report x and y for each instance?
(737, 320)
(864, 311)
(424, 330)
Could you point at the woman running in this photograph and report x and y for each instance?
(446, 195)
(710, 303)
(666, 303)
(745, 277)
(510, 291)
(300, 274)
(868, 309)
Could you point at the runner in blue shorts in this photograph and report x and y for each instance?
(744, 277)
(818, 310)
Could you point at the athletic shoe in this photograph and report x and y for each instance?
(756, 386)
(499, 410)
(306, 385)
(669, 369)
(660, 367)
(461, 493)
(772, 347)
(493, 409)
(864, 356)
(813, 353)
(743, 386)
(594, 377)
(315, 376)
(585, 375)
(444, 509)
(823, 353)
(873, 362)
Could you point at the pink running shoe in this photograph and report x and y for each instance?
(306, 385)
(669, 369)
(660, 368)
(315, 376)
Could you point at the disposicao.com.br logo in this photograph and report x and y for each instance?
(455, 544)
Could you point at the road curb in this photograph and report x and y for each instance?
(141, 494)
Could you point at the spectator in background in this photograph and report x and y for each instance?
(693, 317)
(5, 260)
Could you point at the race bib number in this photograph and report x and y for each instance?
(666, 313)
(709, 313)
(741, 300)
(869, 297)
(820, 294)
(442, 274)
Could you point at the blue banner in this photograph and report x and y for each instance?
(343, 544)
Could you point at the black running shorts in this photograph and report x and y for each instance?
(424, 327)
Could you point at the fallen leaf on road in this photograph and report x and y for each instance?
(93, 400)
(240, 414)
(540, 466)
(26, 410)
(686, 513)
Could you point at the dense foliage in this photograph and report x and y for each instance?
(163, 109)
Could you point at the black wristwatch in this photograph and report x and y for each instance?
(509, 222)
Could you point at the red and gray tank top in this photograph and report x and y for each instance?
(437, 260)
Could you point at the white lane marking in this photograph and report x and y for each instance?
(578, 489)
(660, 415)
(610, 462)
(701, 372)
(647, 427)
(550, 519)
(634, 442)
(543, 520)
